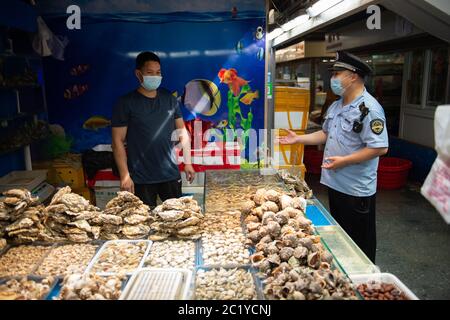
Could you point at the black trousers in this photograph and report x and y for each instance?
(165, 190)
(356, 215)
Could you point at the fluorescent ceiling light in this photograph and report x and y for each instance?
(295, 22)
(275, 33)
(321, 6)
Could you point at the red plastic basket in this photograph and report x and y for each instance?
(313, 160)
(393, 173)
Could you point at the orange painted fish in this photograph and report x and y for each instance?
(75, 91)
(249, 97)
(231, 78)
(96, 122)
(79, 69)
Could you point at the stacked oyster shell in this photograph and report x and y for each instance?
(282, 235)
(296, 184)
(21, 217)
(70, 216)
(178, 218)
(125, 216)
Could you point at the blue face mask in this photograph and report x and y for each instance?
(151, 82)
(336, 86)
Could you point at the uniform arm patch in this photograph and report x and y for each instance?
(377, 126)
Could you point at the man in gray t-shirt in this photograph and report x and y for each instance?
(145, 120)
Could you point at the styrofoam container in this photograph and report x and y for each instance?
(105, 246)
(158, 284)
(384, 278)
(23, 179)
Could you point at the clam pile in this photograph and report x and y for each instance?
(224, 284)
(120, 257)
(178, 218)
(25, 289)
(91, 287)
(66, 259)
(21, 217)
(296, 184)
(22, 260)
(125, 216)
(223, 241)
(302, 283)
(70, 216)
(172, 254)
(282, 235)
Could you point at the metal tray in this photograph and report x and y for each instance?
(196, 251)
(251, 270)
(33, 278)
(97, 243)
(158, 284)
(105, 246)
(38, 263)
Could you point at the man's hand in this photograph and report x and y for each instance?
(333, 163)
(190, 172)
(291, 138)
(126, 184)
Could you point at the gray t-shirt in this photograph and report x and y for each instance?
(150, 122)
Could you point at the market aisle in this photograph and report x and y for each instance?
(413, 239)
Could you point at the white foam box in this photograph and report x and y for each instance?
(383, 278)
(104, 194)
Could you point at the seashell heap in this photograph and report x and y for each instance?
(178, 218)
(25, 289)
(91, 287)
(21, 218)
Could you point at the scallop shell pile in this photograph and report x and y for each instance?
(171, 254)
(302, 283)
(66, 259)
(224, 284)
(21, 217)
(91, 287)
(223, 241)
(280, 232)
(178, 218)
(125, 217)
(296, 183)
(70, 216)
(25, 289)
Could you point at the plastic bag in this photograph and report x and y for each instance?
(46, 44)
(442, 132)
(436, 187)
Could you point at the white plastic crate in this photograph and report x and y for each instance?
(158, 284)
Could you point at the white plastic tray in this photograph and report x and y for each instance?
(158, 284)
(384, 278)
(105, 246)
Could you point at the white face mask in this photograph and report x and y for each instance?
(151, 82)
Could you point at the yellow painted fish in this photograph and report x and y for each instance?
(222, 124)
(96, 122)
(249, 97)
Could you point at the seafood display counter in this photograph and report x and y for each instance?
(253, 234)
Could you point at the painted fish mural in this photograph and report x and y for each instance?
(231, 78)
(75, 91)
(201, 96)
(96, 122)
